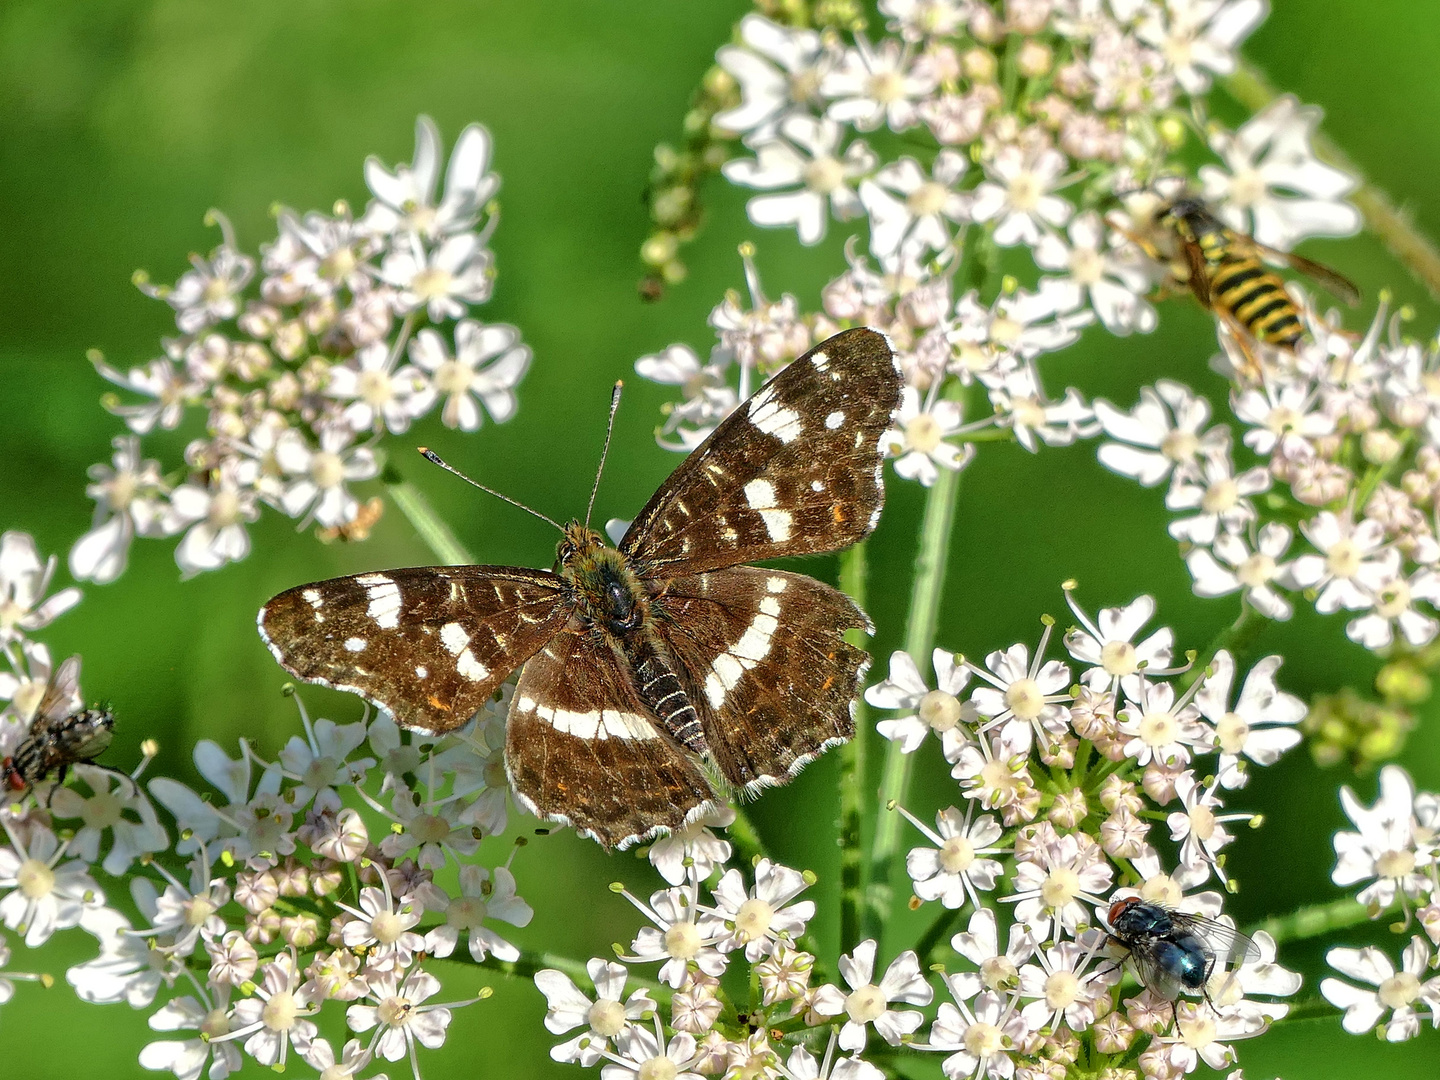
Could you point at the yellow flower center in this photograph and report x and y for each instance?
(1025, 699)
(659, 1067)
(824, 175)
(1220, 496)
(280, 1011)
(607, 1018)
(1061, 989)
(1399, 990)
(1231, 733)
(1119, 658)
(36, 880)
(957, 855)
(983, 1040)
(922, 433)
(753, 919)
(1061, 886)
(1159, 729)
(431, 282)
(929, 198)
(1343, 560)
(865, 1004)
(941, 711)
(682, 941)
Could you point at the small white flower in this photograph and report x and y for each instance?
(167, 388)
(400, 1012)
(129, 968)
(1386, 847)
(1395, 610)
(1164, 431)
(805, 159)
(1199, 38)
(24, 580)
(643, 1056)
(1281, 411)
(489, 363)
(939, 711)
(758, 920)
(1198, 829)
(985, 1038)
(129, 502)
(319, 761)
(868, 1003)
(1113, 281)
(682, 935)
(209, 292)
(692, 851)
(708, 398)
(480, 898)
(210, 1019)
(877, 85)
(1353, 564)
(1161, 727)
(1053, 882)
(1275, 188)
(318, 475)
(40, 894)
(277, 1015)
(216, 515)
(354, 1056)
(443, 281)
(779, 69)
(1023, 697)
(955, 867)
(1017, 194)
(919, 445)
(1400, 993)
(1063, 991)
(1219, 494)
(385, 927)
(1261, 726)
(605, 1018)
(379, 398)
(979, 943)
(1229, 565)
(909, 210)
(1021, 405)
(1106, 644)
(114, 805)
(405, 199)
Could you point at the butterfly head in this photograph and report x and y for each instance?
(609, 592)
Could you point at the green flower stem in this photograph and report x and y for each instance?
(745, 838)
(432, 528)
(1249, 86)
(853, 572)
(1239, 637)
(935, 934)
(1317, 920)
(925, 595)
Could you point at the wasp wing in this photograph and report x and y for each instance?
(1335, 283)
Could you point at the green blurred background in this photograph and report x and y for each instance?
(123, 121)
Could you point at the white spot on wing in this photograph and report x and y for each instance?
(753, 646)
(760, 494)
(834, 420)
(313, 598)
(384, 597)
(421, 671)
(356, 644)
(599, 724)
(774, 419)
(469, 667)
(454, 637)
(820, 360)
(777, 524)
(776, 585)
(816, 485)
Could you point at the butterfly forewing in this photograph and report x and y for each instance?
(430, 644)
(793, 471)
(771, 674)
(580, 747)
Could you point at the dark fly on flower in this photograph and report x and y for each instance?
(1175, 952)
(62, 734)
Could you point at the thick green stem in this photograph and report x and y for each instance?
(1317, 919)
(925, 594)
(853, 571)
(1239, 638)
(431, 527)
(1414, 249)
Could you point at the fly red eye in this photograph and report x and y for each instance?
(13, 779)
(1119, 906)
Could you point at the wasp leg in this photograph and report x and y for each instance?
(1245, 342)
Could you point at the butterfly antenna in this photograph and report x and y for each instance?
(436, 459)
(609, 430)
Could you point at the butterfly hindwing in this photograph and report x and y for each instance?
(793, 471)
(431, 644)
(772, 676)
(580, 747)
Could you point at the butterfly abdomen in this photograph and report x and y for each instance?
(662, 692)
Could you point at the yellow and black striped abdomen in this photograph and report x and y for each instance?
(1256, 296)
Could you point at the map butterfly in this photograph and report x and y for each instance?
(652, 666)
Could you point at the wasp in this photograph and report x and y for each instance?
(1174, 952)
(62, 734)
(1227, 272)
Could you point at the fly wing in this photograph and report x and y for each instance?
(1230, 947)
(62, 696)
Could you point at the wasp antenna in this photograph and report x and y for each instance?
(605, 452)
(436, 459)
